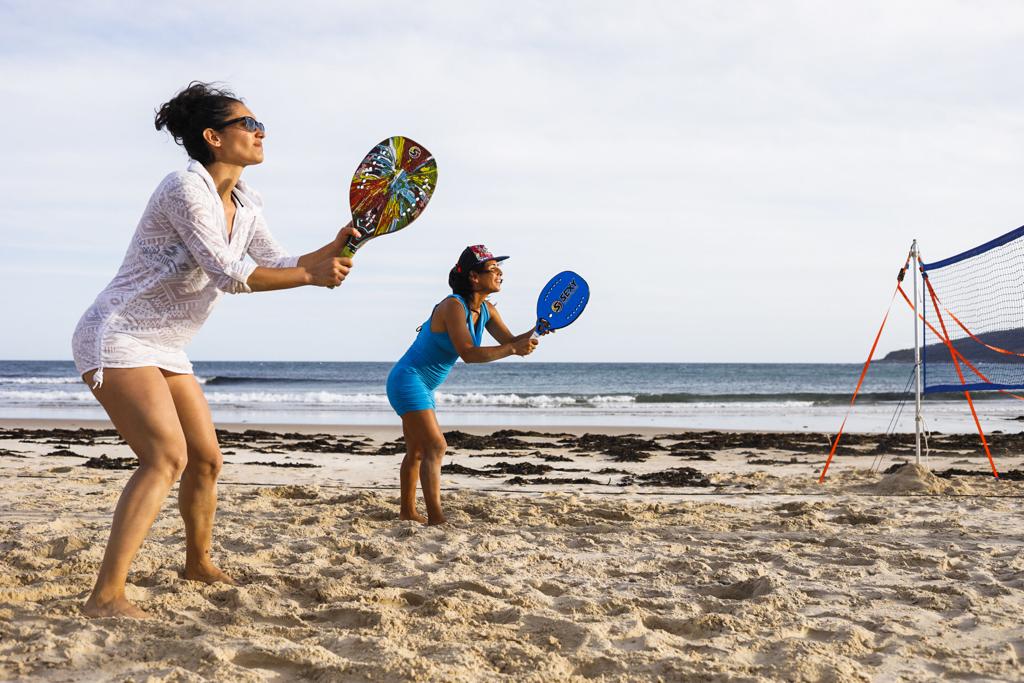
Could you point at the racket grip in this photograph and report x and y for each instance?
(535, 335)
(348, 251)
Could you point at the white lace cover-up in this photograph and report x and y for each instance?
(179, 262)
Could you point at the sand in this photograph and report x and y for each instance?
(762, 574)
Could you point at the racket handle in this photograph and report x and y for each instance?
(353, 244)
(535, 335)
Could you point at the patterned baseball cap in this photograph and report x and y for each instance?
(474, 257)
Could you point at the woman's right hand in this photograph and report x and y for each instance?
(524, 346)
(330, 272)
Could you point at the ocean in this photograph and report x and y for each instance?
(762, 396)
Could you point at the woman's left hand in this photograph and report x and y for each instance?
(343, 236)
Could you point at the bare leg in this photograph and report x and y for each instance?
(140, 406)
(197, 492)
(425, 445)
(410, 474)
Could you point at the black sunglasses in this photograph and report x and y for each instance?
(251, 124)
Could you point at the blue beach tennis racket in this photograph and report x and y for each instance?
(560, 302)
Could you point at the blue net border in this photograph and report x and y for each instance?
(968, 373)
(991, 244)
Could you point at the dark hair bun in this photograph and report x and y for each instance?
(193, 110)
(459, 281)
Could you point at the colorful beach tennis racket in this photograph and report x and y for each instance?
(390, 189)
(560, 302)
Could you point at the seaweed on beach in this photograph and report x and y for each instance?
(102, 462)
(391, 448)
(453, 468)
(554, 458)
(57, 435)
(718, 441)
(626, 455)
(63, 453)
(675, 476)
(519, 468)
(326, 444)
(541, 481)
(5, 453)
(1009, 475)
(522, 468)
(458, 439)
(703, 456)
(248, 435)
(624, 447)
(501, 433)
(281, 464)
(272, 443)
(506, 454)
(794, 460)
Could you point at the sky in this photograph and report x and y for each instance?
(738, 182)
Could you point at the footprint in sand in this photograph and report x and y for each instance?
(64, 547)
(696, 628)
(744, 590)
(545, 632)
(345, 617)
(293, 492)
(510, 615)
(257, 661)
(473, 587)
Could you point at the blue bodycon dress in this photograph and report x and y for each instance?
(425, 366)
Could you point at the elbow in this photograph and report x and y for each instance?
(229, 285)
(234, 279)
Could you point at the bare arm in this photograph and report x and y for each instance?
(453, 317)
(497, 328)
(268, 279)
(322, 268)
(331, 249)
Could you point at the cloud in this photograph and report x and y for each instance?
(738, 181)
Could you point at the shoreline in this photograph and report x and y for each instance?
(368, 429)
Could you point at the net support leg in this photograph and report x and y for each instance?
(863, 372)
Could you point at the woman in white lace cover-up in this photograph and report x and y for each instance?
(189, 247)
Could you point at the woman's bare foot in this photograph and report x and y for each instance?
(208, 574)
(118, 607)
(434, 521)
(414, 517)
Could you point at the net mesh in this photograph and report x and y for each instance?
(980, 302)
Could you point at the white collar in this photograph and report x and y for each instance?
(241, 188)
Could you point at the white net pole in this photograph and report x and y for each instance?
(917, 360)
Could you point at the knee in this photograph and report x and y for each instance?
(205, 463)
(169, 460)
(434, 451)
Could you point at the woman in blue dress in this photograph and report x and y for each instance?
(454, 330)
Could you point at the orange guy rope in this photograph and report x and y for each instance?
(959, 372)
(863, 373)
